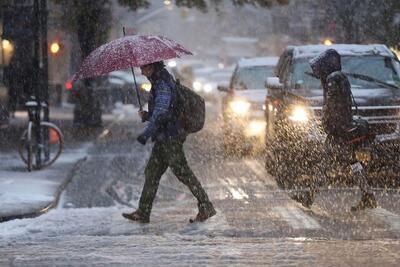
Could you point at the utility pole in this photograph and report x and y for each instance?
(40, 54)
(44, 64)
(36, 51)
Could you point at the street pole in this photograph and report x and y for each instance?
(36, 51)
(44, 66)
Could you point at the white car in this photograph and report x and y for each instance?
(243, 104)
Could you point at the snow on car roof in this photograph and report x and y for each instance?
(257, 61)
(343, 49)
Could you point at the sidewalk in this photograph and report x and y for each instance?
(29, 194)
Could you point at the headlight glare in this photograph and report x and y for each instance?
(146, 87)
(207, 88)
(197, 86)
(240, 107)
(299, 114)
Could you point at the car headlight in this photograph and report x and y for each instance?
(197, 86)
(256, 128)
(240, 107)
(146, 87)
(299, 114)
(207, 88)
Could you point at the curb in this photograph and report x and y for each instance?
(52, 204)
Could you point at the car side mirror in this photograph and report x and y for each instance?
(223, 89)
(273, 83)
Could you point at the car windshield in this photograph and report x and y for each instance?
(252, 77)
(368, 72)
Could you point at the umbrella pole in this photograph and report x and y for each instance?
(137, 90)
(134, 79)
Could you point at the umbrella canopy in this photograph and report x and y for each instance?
(127, 52)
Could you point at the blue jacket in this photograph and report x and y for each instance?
(162, 119)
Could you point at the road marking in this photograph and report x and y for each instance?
(296, 218)
(390, 218)
(259, 170)
(236, 192)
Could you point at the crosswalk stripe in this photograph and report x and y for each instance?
(296, 218)
(259, 170)
(390, 218)
(236, 192)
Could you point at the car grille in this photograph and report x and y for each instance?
(382, 120)
(377, 112)
(383, 128)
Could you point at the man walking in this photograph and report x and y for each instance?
(165, 129)
(337, 119)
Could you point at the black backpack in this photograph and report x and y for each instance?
(190, 108)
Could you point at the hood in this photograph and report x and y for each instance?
(326, 63)
(255, 96)
(160, 74)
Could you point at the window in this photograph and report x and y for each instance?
(377, 67)
(249, 78)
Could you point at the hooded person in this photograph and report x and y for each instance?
(165, 129)
(337, 114)
(337, 119)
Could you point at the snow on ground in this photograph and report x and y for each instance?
(27, 192)
(101, 237)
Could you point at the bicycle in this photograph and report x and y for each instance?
(42, 142)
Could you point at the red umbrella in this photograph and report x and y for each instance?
(127, 52)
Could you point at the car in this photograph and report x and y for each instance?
(199, 75)
(116, 86)
(121, 85)
(242, 105)
(294, 135)
(183, 69)
(204, 83)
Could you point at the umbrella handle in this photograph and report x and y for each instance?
(134, 79)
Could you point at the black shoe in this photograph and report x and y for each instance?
(367, 201)
(136, 216)
(204, 214)
(305, 198)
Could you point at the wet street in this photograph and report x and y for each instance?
(256, 223)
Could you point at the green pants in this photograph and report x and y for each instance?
(169, 153)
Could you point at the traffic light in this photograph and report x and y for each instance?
(55, 48)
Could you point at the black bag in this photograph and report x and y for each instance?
(360, 127)
(191, 108)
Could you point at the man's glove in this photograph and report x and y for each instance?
(144, 115)
(141, 139)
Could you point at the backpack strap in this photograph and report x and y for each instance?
(354, 101)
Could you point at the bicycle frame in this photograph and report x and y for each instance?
(34, 109)
(35, 141)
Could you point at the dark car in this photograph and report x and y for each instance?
(115, 87)
(294, 136)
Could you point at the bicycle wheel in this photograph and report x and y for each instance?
(51, 144)
(45, 146)
(25, 148)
